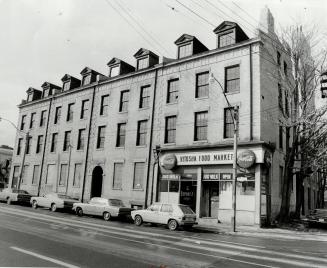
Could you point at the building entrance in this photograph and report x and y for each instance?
(96, 186)
(210, 199)
(188, 194)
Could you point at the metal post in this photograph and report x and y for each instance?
(235, 116)
(67, 181)
(23, 161)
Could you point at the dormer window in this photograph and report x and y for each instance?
(86, 79)
(185, 50)
(226, 39)
(29, 97)
(66, 86)
(114, 70)
(143, 63)
(46, 93)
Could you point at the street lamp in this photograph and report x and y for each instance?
(234, 116)
(25, 149)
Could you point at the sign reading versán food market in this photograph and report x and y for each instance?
(209, 158)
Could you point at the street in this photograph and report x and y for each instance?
(40, 238)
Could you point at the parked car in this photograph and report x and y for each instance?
(13, 195)
(53, 201)
(316, 217)
(104, 207)
(174, 215)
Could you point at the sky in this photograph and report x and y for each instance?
(42, 40)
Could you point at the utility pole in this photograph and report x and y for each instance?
(23, 160)
(70, 154)
(234, 116)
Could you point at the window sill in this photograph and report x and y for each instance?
(123, 112)
(138, 190)
(145, 108)
(170, 143)
(232, 93)
(172, 103)
(103, 115)
(120, 147)
(202, 98)
(200, 141)
(99, 149)
(117, 189)
(141, 146)
(80, 150)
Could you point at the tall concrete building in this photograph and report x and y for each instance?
(162, 130)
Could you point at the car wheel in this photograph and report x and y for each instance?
(138, 220)
(106, 216)
(79, 212)
(172, 225)
(34, 205)
(53, 207)
(8, 201)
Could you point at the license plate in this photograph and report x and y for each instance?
(189, 219)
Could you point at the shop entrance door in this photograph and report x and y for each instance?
(210, 199)
(188, 194)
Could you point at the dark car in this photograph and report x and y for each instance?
(13, 195)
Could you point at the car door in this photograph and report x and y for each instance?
(165, 213)
(152, 213)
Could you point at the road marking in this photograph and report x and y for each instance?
(44, 257)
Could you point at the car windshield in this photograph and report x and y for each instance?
(186, 209)
(116, 203)
(21, 192)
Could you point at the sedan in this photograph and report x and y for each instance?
(13, 195)
(104, 207)
(172, 215)
(53, 201)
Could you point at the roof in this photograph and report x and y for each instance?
(87, 70)
(68, 77)
(47, 84)
(185, 38)
(31, 89)
(114, 61)
(144, 52)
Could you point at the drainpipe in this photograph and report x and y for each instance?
(150, 143)
(251, 94)
(88, 144)
(44, 148)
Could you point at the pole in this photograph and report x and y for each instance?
(23, 161)
(235, 115)
(67, 181)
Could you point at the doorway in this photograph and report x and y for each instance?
(96, 186)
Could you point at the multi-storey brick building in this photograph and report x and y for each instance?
(162, 131)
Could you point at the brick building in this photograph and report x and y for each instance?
(161, 130)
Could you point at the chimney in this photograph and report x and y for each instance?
(267, 22)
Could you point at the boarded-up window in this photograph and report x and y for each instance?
(77, 175)
(63, 174)
(51, 174)
(118, 174)
(138, 175)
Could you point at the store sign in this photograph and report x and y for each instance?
(211, 177)
(210, 158)
(246, 159)
(170, 176)
(168, 161)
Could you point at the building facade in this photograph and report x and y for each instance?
(164, 131)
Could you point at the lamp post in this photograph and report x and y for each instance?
(234, 115)
(25, 149)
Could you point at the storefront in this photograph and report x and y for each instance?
(204, 181)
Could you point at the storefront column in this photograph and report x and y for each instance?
(198, 191)
(257, 212)
(154, 187)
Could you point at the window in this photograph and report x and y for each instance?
(24, 172)
(46, 93)
(226, 39)
(202, 85)
(29, 97)
(201, 126)
(280, 137)
(15, 177)
(54, 142)
(77, 175)
(104, 105)
(172, 93)
(280, 97)
(285, 68)
(114, 71)
(28, 144)
(170, 129)
(39, 143)
(143, 63)
(281, 169)
(66, 140)
(138, 175)
(42, 119)
(86, 80)
(85, 108)
(118, 174)
(154, 207)
(36, 174)
(166, 208)
(141, 132)
(63, 174)
(22, 124)
(121, 133)
(232, 79)
(184, 51)
(70, 112)
(32, 120)
(66, 86)
(145, 97)
(101, 137)
(278, 58)
(124, 98)
(228, 123)
(81, 139)
(57, 115)
(19, 146)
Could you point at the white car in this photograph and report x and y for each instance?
(13, 195)
(104, 207)
(174, 215)
(53, 201)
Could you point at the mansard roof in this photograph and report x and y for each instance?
(47, 84)
(67, 77)
(114, 61)
(185, 38)
(31, 89)
(225, 25)
(87, 70)
(144, 52)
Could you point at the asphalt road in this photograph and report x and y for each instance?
(40, 238)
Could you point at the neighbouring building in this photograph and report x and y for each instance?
(6, 153)
(162, 131)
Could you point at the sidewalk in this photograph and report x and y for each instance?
(256, 231)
